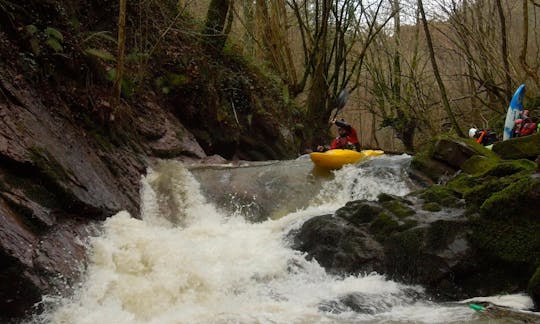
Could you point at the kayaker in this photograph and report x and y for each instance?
(346, 139)
(483, 136)
(524, 127)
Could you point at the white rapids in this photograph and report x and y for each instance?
(188, 261)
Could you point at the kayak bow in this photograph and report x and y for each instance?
(335, 159)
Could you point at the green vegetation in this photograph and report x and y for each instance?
(431, 207)
(383, 226)
(440, 195)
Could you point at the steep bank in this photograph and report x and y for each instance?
(69, 157)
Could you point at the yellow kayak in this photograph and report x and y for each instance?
(335, 159)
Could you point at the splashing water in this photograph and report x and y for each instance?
(188, 261)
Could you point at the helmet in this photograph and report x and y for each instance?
(518, 121)
(472, 132)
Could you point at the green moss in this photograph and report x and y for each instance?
(409, 243)
(398, 208)
(440, 195)
(462, 184)
(512, 201)
(101, 140)
(478, 164)
(384, 197)
(507, 168)
(519, 148)
(359, 211)
(481, 186)
(383, 226)
(514, 240)
(431, 207)
(477, 195)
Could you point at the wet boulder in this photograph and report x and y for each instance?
(339, 246)
(444, 156)
(409, 245)
(527, 147)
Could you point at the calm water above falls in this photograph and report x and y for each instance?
(211, 248)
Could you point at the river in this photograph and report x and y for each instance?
(212, 247)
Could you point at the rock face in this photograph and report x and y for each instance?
(476, 235)
(58, 176)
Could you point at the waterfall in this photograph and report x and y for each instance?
(195, 257)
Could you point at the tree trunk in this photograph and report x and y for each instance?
(249, 26)
(214, 29)
(436, 72)
(504, 50)
(117, 86)
(317, 101)
(530, 71)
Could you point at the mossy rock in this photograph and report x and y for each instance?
(434, 170)
(440, 195)
(384, 197)
(455, 151)
(506, 168)
(462, 184)
(432, 207)
(479, 187)
(398, 208)
(359, 211)
(478, 164)
(527, 147)
(408, 224)
(442, 233)
(409, 242)
(510, 240)
(384, 225)
(478, 194)
(520, 199)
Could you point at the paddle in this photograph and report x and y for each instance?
(340, 102)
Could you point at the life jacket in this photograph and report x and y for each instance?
(527, 129)
(349, 142)
(343, 143)
(485, 137)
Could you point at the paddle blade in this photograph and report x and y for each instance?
(342, 99)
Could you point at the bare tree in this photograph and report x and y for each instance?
(335, 38)
(442, 89)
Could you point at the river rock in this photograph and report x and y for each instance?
(339, 246)
(527, 147)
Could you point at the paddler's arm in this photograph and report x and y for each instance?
(340, 123)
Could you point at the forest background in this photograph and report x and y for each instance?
(414, 69)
